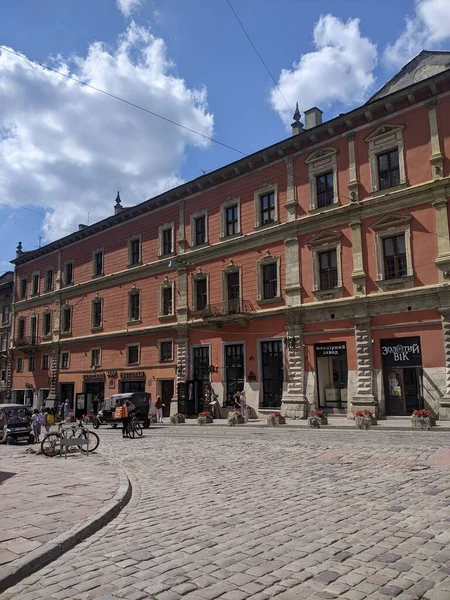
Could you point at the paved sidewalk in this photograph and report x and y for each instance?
(41, 497)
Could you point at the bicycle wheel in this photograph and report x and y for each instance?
(138, 429)
(94, 441)
(51, 444)
(130, 430)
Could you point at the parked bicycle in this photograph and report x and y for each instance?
(51, 444)
(134, 428)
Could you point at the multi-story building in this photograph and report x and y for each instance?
(6, 299)
(315, 271)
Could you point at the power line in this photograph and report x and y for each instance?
(258, 54)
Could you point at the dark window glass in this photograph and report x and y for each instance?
(166, 351)
(234, 371)
(270, 281)
(45, 362)
(234, 292)
(49, 280)
(388, 170)
(23, 288)
(395, 257)
(67, 319)
(98, 263)
(135, 254)
(6, 312)
(95, 358)
(201, 294)
(97, 313)
(47, 323)
(272, 373)
(328, 269)
(201, 363)
(31, 363)
(167, 241)
(134, 306)
(267, 207)
(35, 284)
(133, 355)
(231, 220)
(325, 190)
(200, 230)
(167, 301)
(21, 329)
(19, 365)
(33, 329)
(69, 274)
(65, 360)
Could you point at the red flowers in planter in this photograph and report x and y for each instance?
(276, 414)
(364, 413)
(205, 413)
(317, 413)
(423, 413)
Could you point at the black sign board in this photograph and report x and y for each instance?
(401, 352)
(132, 375)
(181, 394)
(332, 349)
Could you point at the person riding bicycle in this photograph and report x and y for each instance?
(128, 410)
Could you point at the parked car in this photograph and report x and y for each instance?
(107, 407)
(15, 424)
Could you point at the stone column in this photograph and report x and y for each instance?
(444, 401)
(295, 404)
(364, 397)
(291, 201)
(358, 275)
(442, 238)
(10, 354)
(54, 372)
(353, 184)
(182, 354)
(436, 159)
(182, 295)
(292, 286)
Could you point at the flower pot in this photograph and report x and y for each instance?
(363, 422)
(177, 419)
(423, 422)
(274, 421)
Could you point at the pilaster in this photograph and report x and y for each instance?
(291, 201)
(358, 275)
(295, 404)
(54, 372)
(182, 295)
(364, 397)
(181, 228)
(442, 238)
(444, 401)
(182, 353)
(353, 183)
(292, 284)
(436, 159)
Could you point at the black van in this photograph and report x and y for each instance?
(107, 407)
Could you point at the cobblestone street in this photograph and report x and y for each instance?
(240, 513)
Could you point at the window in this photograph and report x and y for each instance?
(35, 284)
(49, 280)
(68, 273)
(134, 310)
(23, 288)
(96, 313)
(21, 328)
(3, 375)
(98, 263)
(166, 351)
(270, 281)
(133, 355)
(66, 319)
(45, 362)
(394, 250)
(31, 363)
(6, 313)
(167, 241)
(267, 208)
(20, 364)
(231, 220)
(96, 358)
(325, 190)
(134, 252)
(200, 230)
(201, 363)
(167, 303)
(201, 293)
(4, 342)
(34, 328)
(388, 170)
(65, 360)
(47, 323)
(328, 269)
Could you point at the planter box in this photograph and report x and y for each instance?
(322, 420)
(359, 422)
(423, 422)
(274, 421)
(176, 420)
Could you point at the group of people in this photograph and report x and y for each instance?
(39, 418)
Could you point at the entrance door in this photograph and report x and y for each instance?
(411, 386)
(234, 292)
(402, 390)
(234, 367)
(166, 395)
(272, 373)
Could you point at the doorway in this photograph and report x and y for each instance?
(272, 373)
(234, 371)
(167, 387)
(402, 386)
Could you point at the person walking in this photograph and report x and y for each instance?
(237, 402)
(159, 409)
(36, 422)
(66, 409)
(125, 417)
(243, 401)
(49, 419)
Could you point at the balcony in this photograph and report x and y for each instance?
(229, 312)
(28, 344)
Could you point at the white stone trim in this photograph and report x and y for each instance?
(194, 278)
(383, 139)
(161, 229)
(100, 357)
(134, 238)
(268, 260)
(159, 350)
(267, 188)
(194, 217)
(127, 351)
(166, 284)
(33, 275)
(231, 201)
(320, 162)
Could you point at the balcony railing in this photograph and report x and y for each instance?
(27, 341)
(228, 309)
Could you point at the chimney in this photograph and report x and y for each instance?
(118, 206)
(81, 226)
(297, 125)
(313, 117)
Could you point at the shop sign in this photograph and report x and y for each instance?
(401, 352)
(94, 377)
(133, 375)
(334, 349)
(112, 373)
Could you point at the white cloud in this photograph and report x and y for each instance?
(128, 6)
(68, 149)
(339, 70)
(427, 29)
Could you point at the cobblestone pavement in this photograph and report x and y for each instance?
(238, 513)
(42, 497)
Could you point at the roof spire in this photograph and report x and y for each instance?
(297, 113)
(297, 125)
(118, 205)
(19, 250)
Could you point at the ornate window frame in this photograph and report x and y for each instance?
(127, 354)
(92, 355)
(38, 291)
(167, 283)
(69, 262)
(46, 312)
(385, 138)
(68, 308)
(194, 217)
(132, 239)
(230, 201)
(65, 352)
(165, 340)
(47, 289)
(231, 268)
(388, 226)
(135, 291)
(266, 188)
(97, 300)
(94, 253)
(323, 242)
(268, 259)
(161, 229)
(199, 275)
(320, 162)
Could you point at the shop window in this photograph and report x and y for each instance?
(98, 263)
(47, 323)
(134, 305)
(332, 374)
(323, 178)
(66, 319)
(97, 313)
(45, 362)
(23, 288)
(166, 350)
(386, 157)
(49, 280)
(200, 363)
(68, 273)
(166, 239)
(133, 354)
(35, 284)
(328, 269)
(199, 228)
(31, 363)
(20, 364)
(272, 373)
(134, 252)
(96, 357)
(65, 360)
(230, 221)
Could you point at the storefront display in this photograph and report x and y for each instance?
(402, 374)
(332, 374)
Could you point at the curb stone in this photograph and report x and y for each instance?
(17, 570)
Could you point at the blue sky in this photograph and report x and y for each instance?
(65, 150)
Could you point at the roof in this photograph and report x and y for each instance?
(423, 66)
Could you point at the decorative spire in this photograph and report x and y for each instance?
(297, 125)
(118, 206)
(297, 115)
(19, 250)
(118, 200)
